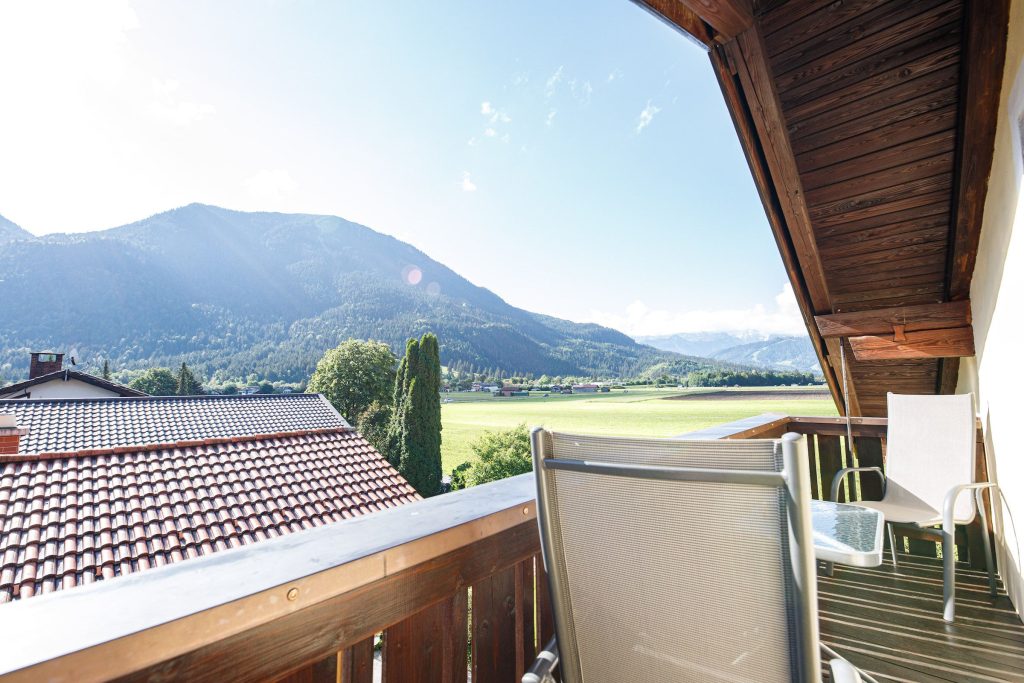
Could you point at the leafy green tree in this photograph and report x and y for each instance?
(105, 372)
(354, 375)
(229, 389)
(374, 424)
(265, 388)
(156, 382)
(188, 383)
(414, 438)
(496, 455)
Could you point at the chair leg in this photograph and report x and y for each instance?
(989, 564)
(948, 573)
(892, 545)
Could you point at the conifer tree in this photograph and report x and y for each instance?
(105, 373)
(188, 384)
(415, 434)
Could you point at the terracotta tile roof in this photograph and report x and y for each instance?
(67, 521)
(70, 425)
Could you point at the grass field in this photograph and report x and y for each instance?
(638, 412)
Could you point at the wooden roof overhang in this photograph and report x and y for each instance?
(869, 128)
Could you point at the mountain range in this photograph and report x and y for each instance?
(241, 295)
(749, 347)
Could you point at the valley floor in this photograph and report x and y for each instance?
(636, 412)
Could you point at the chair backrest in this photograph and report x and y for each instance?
(675, 560)
(930, 449)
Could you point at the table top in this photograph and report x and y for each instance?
(847, 534)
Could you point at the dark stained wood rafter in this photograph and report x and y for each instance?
(727, 17)
(911, 318)
(681, 17)
(743, 121)
(984, 57)
(944, 343)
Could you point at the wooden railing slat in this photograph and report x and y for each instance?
(430, 646)
(869, 454)
(526, 649)
(494, 628)
(831, 461)
(324, 671)
(357, 662)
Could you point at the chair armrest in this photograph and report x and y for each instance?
(841, 474)
(547, 659)
(843, 672)
(949, 502)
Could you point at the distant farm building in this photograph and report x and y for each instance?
(585, 388)
(510, 390)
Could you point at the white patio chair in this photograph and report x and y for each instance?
(929, 462)
(682, 561)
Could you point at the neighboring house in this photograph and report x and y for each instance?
(48, 379)
(145, 482)
(509, 390)
(585, 388)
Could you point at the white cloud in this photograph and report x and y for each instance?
(581, 92)
(467, 183)
(550, 119)
(486, 108)
(490, 132)
(615, 75)
(167, 107)
(271, 186)
(646, 116)
(552, 85)
(782, 317)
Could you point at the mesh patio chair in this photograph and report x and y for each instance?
(678, 561)
(929, 462)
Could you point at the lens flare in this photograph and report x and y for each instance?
(412, 275)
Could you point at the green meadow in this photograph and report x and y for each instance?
(636, 412)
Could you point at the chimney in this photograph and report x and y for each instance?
(10, 435)
(45, 362)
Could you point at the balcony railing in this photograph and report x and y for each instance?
(454, 583)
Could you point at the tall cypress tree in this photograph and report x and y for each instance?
(105, 374)
(415, 434)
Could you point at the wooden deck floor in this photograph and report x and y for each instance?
(890, 625)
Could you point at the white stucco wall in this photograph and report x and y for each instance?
(58, 388)
(996, 374)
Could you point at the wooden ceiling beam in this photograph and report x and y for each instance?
(680, 17)
(984, 54)
(955, 342)
(885, 320)
(729, 18)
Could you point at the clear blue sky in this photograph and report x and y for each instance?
(574, 157)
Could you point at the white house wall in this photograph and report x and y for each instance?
(997, 300)
(58, 388)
